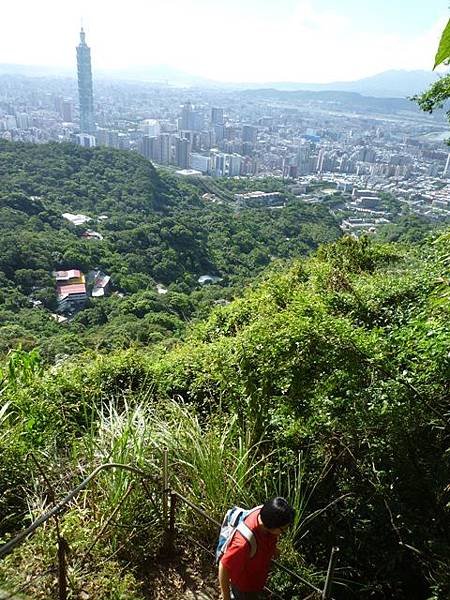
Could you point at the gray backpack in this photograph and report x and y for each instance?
(232, 522)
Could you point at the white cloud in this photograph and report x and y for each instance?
(318, 46)
(227, 41)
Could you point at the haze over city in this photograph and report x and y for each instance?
(250, 41)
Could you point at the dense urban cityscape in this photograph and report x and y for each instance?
(361, 146)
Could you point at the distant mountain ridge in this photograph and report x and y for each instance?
(36, 70)
(392, 83)
(336, 100)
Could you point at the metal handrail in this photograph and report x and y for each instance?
(59, 507)
(169, 519)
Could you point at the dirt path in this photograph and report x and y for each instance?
(188, 575)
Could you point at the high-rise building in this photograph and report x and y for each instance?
(219, 131)
(216, 116)
(87, 121)
(185, 121)
(156, 148)
(58, 100)
(166, 147)
(67, 110)
(321, 158)
(249, 134)
(247, 148)
(145, 146)
(234, 165)
(198, 120)
(182, 153)
(23, 120)
(86, 140)
(190, 119)
(151, 127)
(200, 162)
(225, 165)
(107, 137)
(229, 132)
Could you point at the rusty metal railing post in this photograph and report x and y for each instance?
(63, 547)
(326, 594)
(171, 534)
(165, 488)
(62, 569)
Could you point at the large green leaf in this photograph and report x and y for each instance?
(444, 46)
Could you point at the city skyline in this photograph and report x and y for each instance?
(246, 42)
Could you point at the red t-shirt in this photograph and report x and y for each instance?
(250, 574)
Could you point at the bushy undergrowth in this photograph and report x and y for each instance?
(341, 360)
(32, 568)
(212, 462)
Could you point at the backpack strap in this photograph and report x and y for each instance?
(248, 535)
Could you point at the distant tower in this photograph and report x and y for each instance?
(87, 121)
(446, 172)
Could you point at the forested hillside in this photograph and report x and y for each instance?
(156, 229)
(327, 382)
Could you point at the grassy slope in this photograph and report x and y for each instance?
(342, 358)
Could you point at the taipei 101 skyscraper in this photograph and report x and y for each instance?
(87, 121)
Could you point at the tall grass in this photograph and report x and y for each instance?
(287, 481)
(212, 461)
(4, 416)
(120, 432)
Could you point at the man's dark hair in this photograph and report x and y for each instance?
(276, 513)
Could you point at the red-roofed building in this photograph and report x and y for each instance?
(71, 289)
(71, 276)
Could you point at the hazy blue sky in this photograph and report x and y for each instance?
(230, 40)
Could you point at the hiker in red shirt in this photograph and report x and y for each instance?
(241, 575)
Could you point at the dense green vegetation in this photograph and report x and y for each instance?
(407, 228)
(158, 230)
(327, 381)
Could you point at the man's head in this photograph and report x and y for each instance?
(276, 515)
